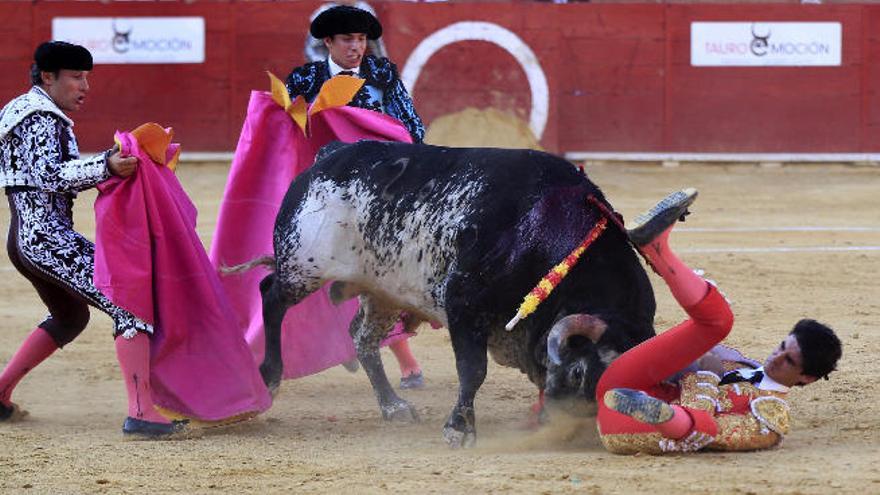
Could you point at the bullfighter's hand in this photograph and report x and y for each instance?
(121, 166)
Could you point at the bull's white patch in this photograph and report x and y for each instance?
(345, 232)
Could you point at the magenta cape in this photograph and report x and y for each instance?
(150, 261)
(271, 151)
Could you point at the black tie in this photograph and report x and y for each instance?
(347, 73)
(735, 376)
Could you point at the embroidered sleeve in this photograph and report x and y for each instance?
(41, 147)
(772, 413)
(304, 81)
(398, 103)
(762, 429)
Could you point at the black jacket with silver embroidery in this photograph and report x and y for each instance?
(380, 73)
(38, 148)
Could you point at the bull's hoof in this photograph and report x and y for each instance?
(400, 412)
(460, 430)
(271, 377)
(459, 439)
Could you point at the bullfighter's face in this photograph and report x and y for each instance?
(347, 50)
(67, 88)
(785, 364)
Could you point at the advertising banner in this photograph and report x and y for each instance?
(136, 40)
(769, 44)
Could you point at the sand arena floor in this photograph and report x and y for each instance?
(325, 435)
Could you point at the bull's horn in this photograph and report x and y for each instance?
(589, 326)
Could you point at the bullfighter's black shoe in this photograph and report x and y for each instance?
(138, 429)
(638, 405)
(652, 223)
(11, 412)
(413, 380)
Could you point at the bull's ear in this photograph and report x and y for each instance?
(585, 325)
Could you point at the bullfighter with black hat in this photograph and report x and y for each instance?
(42, 172)
(316, 51)
(345, 31)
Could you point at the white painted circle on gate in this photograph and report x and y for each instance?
(493, 33)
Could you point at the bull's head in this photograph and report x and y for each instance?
(577, 355)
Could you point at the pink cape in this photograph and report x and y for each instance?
(272, 150)
(150, 261)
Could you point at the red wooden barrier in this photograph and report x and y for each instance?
(618, 76)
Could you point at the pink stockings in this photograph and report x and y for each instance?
(134, 361)
(36, 347)
(405, 359)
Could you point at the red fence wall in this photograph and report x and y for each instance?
(619, 75)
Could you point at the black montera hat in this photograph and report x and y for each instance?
(52, 56)
(343, 19)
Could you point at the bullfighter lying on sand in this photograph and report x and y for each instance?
(721, 401)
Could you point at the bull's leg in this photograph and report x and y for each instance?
(369, 327)
(470, 346)
(277, 298)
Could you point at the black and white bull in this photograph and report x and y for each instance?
(459, 236)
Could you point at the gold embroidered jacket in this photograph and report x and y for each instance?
(738, 416)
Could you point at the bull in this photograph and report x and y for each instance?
(458, 236)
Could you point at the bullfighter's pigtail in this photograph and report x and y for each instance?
(552, 279)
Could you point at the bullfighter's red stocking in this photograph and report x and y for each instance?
(647, 365)
(687, 287)
(134, 360)
(37, 347)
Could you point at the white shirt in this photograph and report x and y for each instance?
(336, 68)
(766, 382)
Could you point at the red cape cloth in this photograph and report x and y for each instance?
(272, 150)
(150, 261)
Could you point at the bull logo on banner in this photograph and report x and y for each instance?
(121, 39)
(759, 44)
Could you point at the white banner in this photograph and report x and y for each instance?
(737, 44)
(136, 40)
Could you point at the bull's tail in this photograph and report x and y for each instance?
(267, 261)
